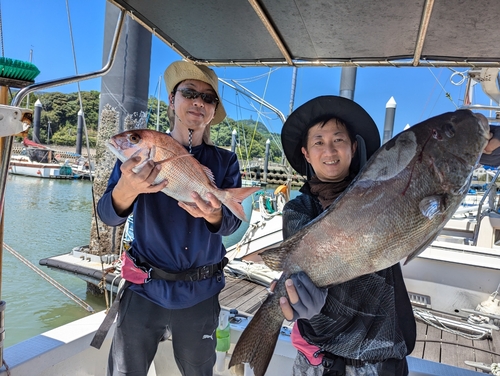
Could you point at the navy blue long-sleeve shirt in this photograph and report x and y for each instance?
(169, 238)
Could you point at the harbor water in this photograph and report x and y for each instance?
(43, 218)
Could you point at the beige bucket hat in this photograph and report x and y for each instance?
(183, 70)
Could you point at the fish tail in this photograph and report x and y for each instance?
(258, 340)
(236, 197)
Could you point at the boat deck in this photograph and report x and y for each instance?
(242, 295)
(444, 347)
(432, 343)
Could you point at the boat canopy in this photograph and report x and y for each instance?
(326, 33)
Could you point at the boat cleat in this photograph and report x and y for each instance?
(14, 120)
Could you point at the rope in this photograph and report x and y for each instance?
(80, 100)
(447, 94)
(49, 279)
(427, 317)
(457, 344)
(6, 367)
(259, 112)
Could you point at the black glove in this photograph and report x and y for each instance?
(311, 298)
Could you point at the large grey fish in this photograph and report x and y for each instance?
(393, 210)
(183, 172)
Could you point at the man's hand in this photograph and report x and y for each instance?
(131, 184)
(210, 210)
(305, 300)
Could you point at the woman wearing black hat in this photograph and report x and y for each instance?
(364, 326)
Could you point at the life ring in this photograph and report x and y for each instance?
(281, 189)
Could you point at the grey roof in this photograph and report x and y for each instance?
(326, 32)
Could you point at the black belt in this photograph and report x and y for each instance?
(335, 365)
(194, 274)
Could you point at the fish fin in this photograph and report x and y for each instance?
(274, 257)
(258, 340)
(236, 197)
(430, 206)
(209, 174)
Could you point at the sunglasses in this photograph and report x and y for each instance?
(193, 94)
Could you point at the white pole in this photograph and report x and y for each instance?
(158, 110)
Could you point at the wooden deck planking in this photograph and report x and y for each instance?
(432, 349)
(418, 351)
(466, 350)
(482, 356)
(245, 296)
(450, 352)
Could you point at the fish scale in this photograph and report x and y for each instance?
(393, 210)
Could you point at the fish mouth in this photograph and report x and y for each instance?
(113, 148)
(112, 143)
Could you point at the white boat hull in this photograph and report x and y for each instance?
(40, 170)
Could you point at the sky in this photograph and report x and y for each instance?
(42, 29)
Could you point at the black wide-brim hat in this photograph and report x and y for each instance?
(359, 122)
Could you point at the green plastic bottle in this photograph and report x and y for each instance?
(223, 335)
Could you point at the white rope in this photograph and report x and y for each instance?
(256, 78)
(443, 324)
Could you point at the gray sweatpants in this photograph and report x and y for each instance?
(142, 324)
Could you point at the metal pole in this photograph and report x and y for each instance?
(390, 112)
(48, 132)
(292, 93)
(254, 97)
(266, 159)
(158, 110)
(37, 115)
(348, 82)
(233, 140)
(125, 87)
(79, 132)
(3, 146)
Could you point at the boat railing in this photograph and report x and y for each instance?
(481, 203)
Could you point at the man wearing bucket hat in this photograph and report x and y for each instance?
(360, 327)
(179, 246)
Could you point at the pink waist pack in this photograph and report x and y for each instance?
(132, 272)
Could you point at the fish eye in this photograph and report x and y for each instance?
(134, 138)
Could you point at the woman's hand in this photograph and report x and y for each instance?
(131, 183)
(210, 210)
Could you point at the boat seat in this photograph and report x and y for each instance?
(489, 230)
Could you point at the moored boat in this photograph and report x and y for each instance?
(39, 161)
